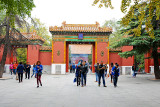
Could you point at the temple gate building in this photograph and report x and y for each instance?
(55, 58)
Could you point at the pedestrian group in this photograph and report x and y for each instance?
(100, 72)
(20, 69)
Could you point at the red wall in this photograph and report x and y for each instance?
(58, 46)
(102, 46)
(33, 53)
(45, 58)
(115, 58)
(129, 61)
(1, 54)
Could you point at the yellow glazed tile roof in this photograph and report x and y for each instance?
(81, 28)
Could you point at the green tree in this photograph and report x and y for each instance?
(117, 33)
(40, 29)
(15, 11)
(126, 7)
(22, 55)
(144, 43)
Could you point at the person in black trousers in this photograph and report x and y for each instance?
(115, 73)
(20, 70)
(28, 66)
(83, 70)
(101, 74)
(78, 74)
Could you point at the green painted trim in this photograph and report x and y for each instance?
(77, 37)
(45, 50)
(115, 51)
(84, 40)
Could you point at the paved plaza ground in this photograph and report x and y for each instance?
(60, 91)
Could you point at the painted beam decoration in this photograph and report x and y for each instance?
(80, 32)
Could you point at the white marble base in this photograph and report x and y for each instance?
(126, 70)
(6, 68)
(152, 69)
(58, 69)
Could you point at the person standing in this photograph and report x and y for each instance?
(96, 71)
(11, 68)
(28, 66)
(34, 70)
(73, 68)
(110, 71)
(83, 74)
(39, 69)
(101, 74)
(15, 67)
(78, 74)
(20, 70)
(134, 69)
(115, 74)
(106, 67)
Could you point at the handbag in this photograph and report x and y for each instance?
(75, 79)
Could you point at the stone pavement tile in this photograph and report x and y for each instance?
(60, 91)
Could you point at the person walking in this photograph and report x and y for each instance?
(20, 70)
(83, 73)
(106, 68)
(15, 67)
(78, 74)
(115, 74)
(134, 69)
(11, 68)
(110, 71)
(101, 74)
(28, 66)
(96, 71)
(73, 67)
(39, 69)
(34, 70)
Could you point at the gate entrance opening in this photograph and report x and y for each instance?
(68, 34)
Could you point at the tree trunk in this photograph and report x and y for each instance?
(156, 64)
(5, 51)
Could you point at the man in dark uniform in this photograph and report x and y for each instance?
(83, 73)
(101, 74)
(28, 66)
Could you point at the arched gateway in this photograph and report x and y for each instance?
(78, 34)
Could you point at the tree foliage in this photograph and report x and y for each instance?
(12, 8)
(144, 43)
(40, 29)
(129, 6)
(14, 11)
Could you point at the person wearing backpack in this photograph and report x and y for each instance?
(115, 74)
(39, 69)
(20, 70)
(83, 73)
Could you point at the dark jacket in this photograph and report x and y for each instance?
(101, 71)
(28, 68)
(96, 68)
(78, 72)
(84, 69)
(20, 68)
(115, 71)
